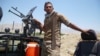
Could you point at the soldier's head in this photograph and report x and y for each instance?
(48, 7)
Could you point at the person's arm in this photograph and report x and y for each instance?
(39, 24)
(73, 26)
(42, 27)
(69, 24)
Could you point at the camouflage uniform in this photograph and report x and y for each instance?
(52, 38)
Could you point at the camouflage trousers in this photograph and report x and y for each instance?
(47, 51)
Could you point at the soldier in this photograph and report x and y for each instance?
(52, 28)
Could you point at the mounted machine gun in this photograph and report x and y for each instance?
(18, 48)
(28, 20)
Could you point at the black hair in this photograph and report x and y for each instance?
(47, 3)
(90, 36)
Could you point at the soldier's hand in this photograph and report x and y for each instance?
(85, 31)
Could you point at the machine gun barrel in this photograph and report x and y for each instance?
(29, 15)
(31, 11)
(15, 13)
(22, 15)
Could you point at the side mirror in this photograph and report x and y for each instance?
(1, 13)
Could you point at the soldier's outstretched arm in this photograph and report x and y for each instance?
(73, 26)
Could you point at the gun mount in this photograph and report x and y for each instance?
(28, 20)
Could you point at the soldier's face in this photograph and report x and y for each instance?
(48, 8)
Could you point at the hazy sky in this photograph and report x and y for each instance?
(83, 13)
